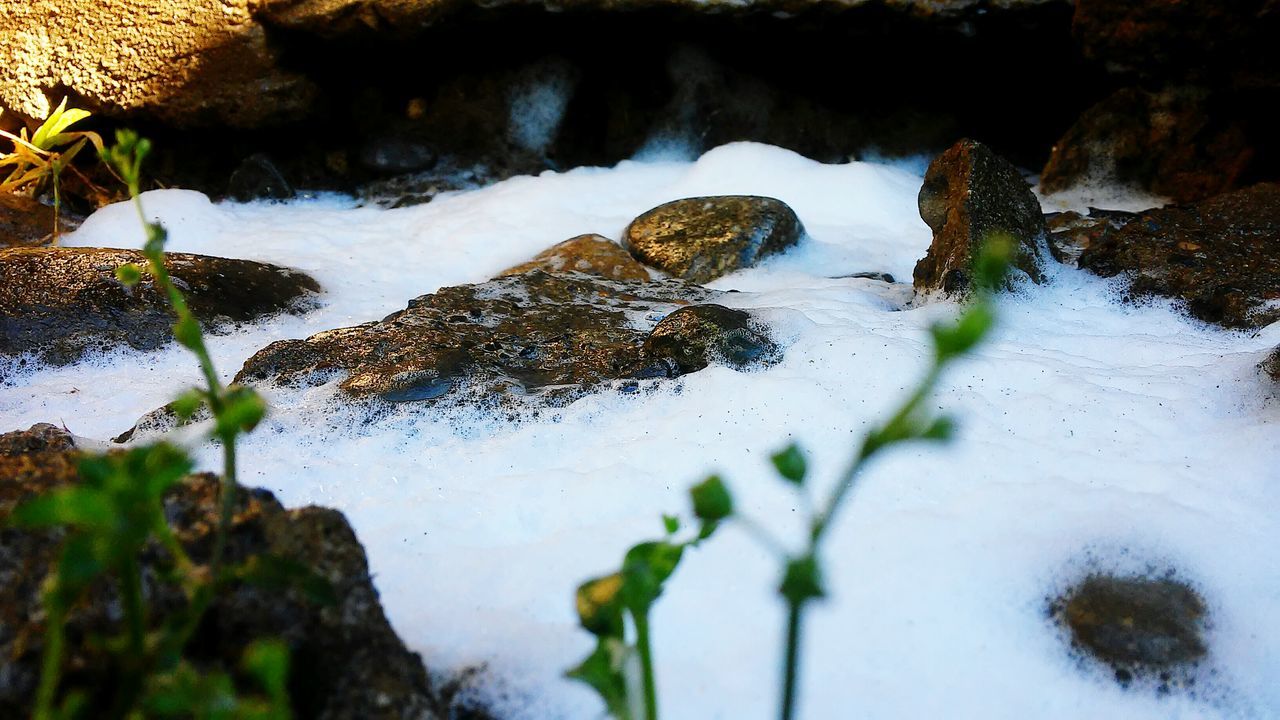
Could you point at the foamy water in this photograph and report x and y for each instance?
(1094, 435)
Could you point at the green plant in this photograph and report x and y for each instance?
(116, 511)
(649, 565)
(42, 157)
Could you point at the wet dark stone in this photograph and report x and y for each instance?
(346, 660)
(1271, 366)
(694, 337)
(1221, 256)
(396, 155)
(1176, 143)
(591, 254)
(258, 178)
(969, 195)
(40, 437)
(550, 335)
(881, 276)
(700, 239)
(63, 302)
(1139, 626)
(1071, 233)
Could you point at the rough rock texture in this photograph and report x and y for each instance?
(970, 194)
(60, 302)
(694, 337)
(346, 660)
(1172, 143)
(183, 61)
(1071, 233)
(1221, 256)
(700, 239)
(589, 254)
(23, 221)
(1227, 40)
(1136, 625)
(1271, 366)
(550, 335)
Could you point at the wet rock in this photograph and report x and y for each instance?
(1221, 256)
(694, 337)
(549, 336)
(1271, 366)
(23, 221)
(1071, 233)
(41, 437)
(62, 302)
(700, 239)
(1138, 626)
(969, 195)
(883, 277)
(1171, 143)
(393, 155)
(346, 660)
(258, 178)
(590, 254)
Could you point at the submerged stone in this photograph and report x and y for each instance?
(258, 178)
(590, 254)
(700, 239)
(1136, 625)
(971, 195)
(62, 302)
(346, 661)
(553, 335)
(1220, 256)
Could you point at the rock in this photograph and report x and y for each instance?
(1136, 625)
(694, 337)
(590, 254)
(1221, 256)
(1171, 143)
(23, 221)
(969, 195)
(1209, 42)
(62, 302)
(1271, 366)
(258, 178)
(700, 239)
(187, 62)
(549, 336)
(1071, 233)
(346, 660)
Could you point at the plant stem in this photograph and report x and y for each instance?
(135, 614)
(645, 649)
(791, 667)
(227, 504)
(51, 663)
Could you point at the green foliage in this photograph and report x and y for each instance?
(116, 512)
(601, 602)
(41, 158)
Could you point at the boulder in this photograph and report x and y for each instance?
(1071, 233)
(1220, 256)
(590, 254)
(1139, 626)
(346, 661)
(694, 337)
(62, 302)
(1271, 366)
(700, 239)
(970, 195)
(1173, 143)
(539, 335)
(23, 221)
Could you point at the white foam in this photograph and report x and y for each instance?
(1093, 434)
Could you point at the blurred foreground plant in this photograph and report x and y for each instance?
(41, 158)
(116, 511)
(612, 669)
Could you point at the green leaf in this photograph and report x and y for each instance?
(78, 506)
(644, 569)
(599, 605)
(711, 499)
(802, 580)
(671, 523)
(79, 565)
(268, 661)
(943, 429)
(187, 332)
(242, 410)
(129, 274)
(790, 464)
(991, 265)
(603, 671)
(188, 403)
(279, 573)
